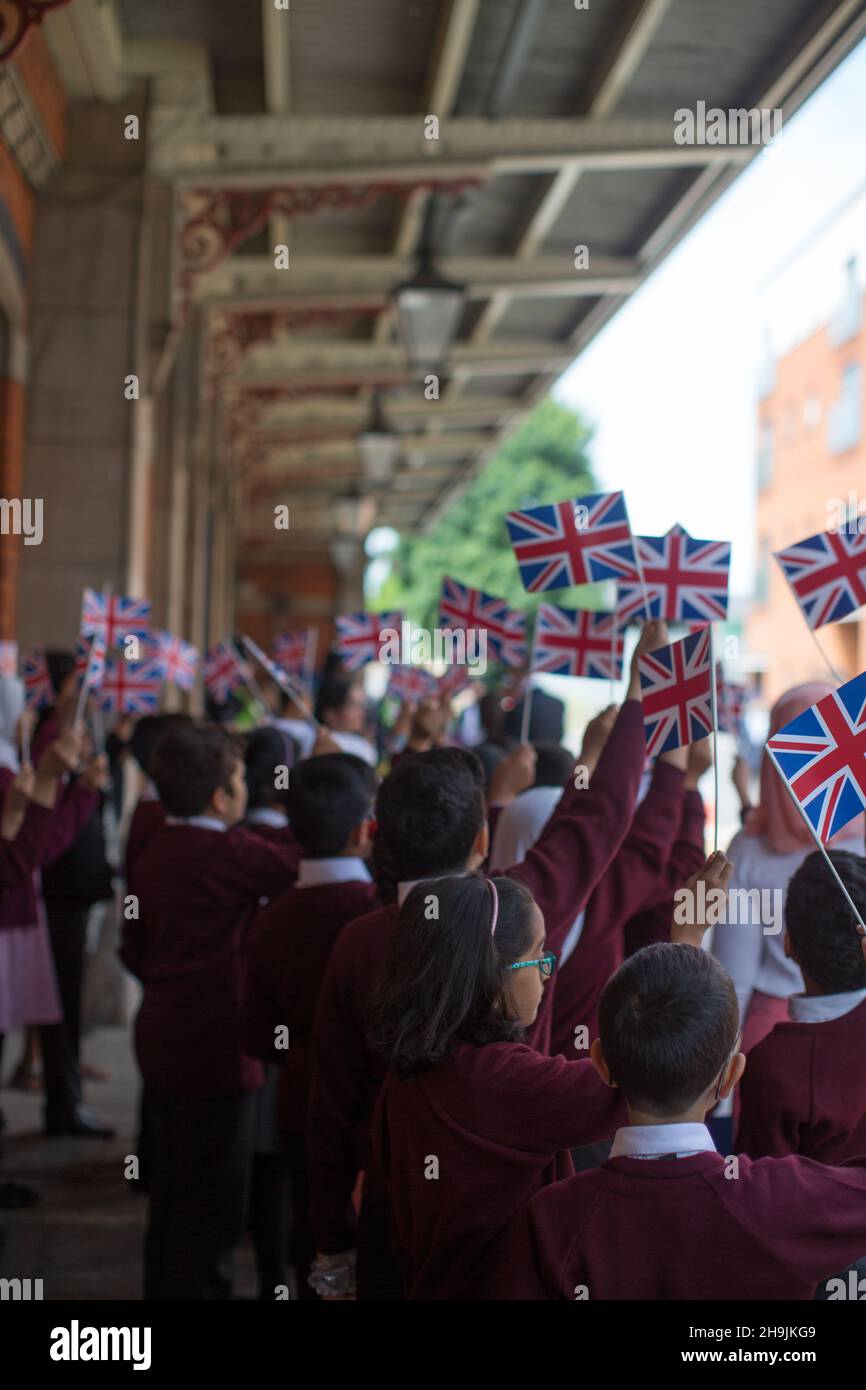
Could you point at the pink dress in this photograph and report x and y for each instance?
(28, 984)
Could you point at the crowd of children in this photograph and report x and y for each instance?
(437, 1034)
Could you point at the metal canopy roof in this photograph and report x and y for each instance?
(306, 127)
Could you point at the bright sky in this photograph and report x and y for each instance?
(670, 382)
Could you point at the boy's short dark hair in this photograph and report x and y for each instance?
(668, 1021)
(821, 925)
(147, 733)
(190, 762)
(335, 690)
(329, 797)
(265, 752)
(429, 810)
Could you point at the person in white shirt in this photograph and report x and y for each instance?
(768, 850)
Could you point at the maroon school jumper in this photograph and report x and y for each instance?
(633, 875)
(290, 942)
(498, 1121)
(72, 810)
(678, 1228)
(561, 871)
(197, 890)
(19, 857)
(147, 818)
(280, 835)
(653, 921)
(804, 1091)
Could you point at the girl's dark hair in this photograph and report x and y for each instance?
(441, 981)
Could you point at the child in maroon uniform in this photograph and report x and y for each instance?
(802, 1092)
(197, 882)
(470, 1122)
(666, 1216)
(431, 820)
(330, 801)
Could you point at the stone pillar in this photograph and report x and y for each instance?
(84, 284)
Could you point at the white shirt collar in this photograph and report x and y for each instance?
(200, 822)
(821, 1008)
(312, 873)
(654, 1141)
(266, 815)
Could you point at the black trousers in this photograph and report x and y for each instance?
(302, 1245)
(67, 927)
(201, 1148)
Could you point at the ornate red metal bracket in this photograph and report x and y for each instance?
(18, 17)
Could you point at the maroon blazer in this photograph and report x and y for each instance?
(803, 1092)
(634, 874)
(74, 807)
(653, 921)
(197, 891)
(20, 857)
(147, 818)
(561, 870)
(465, 1145)
(290, 943)
(281, 835)
(684, 1228)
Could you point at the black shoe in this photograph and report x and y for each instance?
(82, 1123)
(14, 1196)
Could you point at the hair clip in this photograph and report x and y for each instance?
(495, 915)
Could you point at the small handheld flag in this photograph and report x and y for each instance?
(221, 671)
(38, 689)
(130, 687)
(359, 636)
(821, 756)
(827, 575)
(471, 609)
(675, 691)
(410, 683)
(684, 579)
(114, 616)
(295, 653)
(577, 642)
(574, 542)
(177, 660)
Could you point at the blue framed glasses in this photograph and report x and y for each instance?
(545, 965)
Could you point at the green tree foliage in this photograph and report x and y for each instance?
(544, 461)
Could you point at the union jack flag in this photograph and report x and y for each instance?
(8, 659)
(574, 542)
(130, 687)
(453, 680)
(295, 653)
(221, 671)
(38, 689)
(359, 636)
(90, 662)
(468, 608)
(177, 660)
(730, 705)
(686, 579)
(410, 683)
(827, 574)
(114, 616)
(577, 642)
(675, 690)
(822, 756)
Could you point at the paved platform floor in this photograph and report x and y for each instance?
(83, 1238)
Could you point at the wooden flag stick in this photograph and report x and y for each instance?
(715, 713)
(825, 658)
(818, 842)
